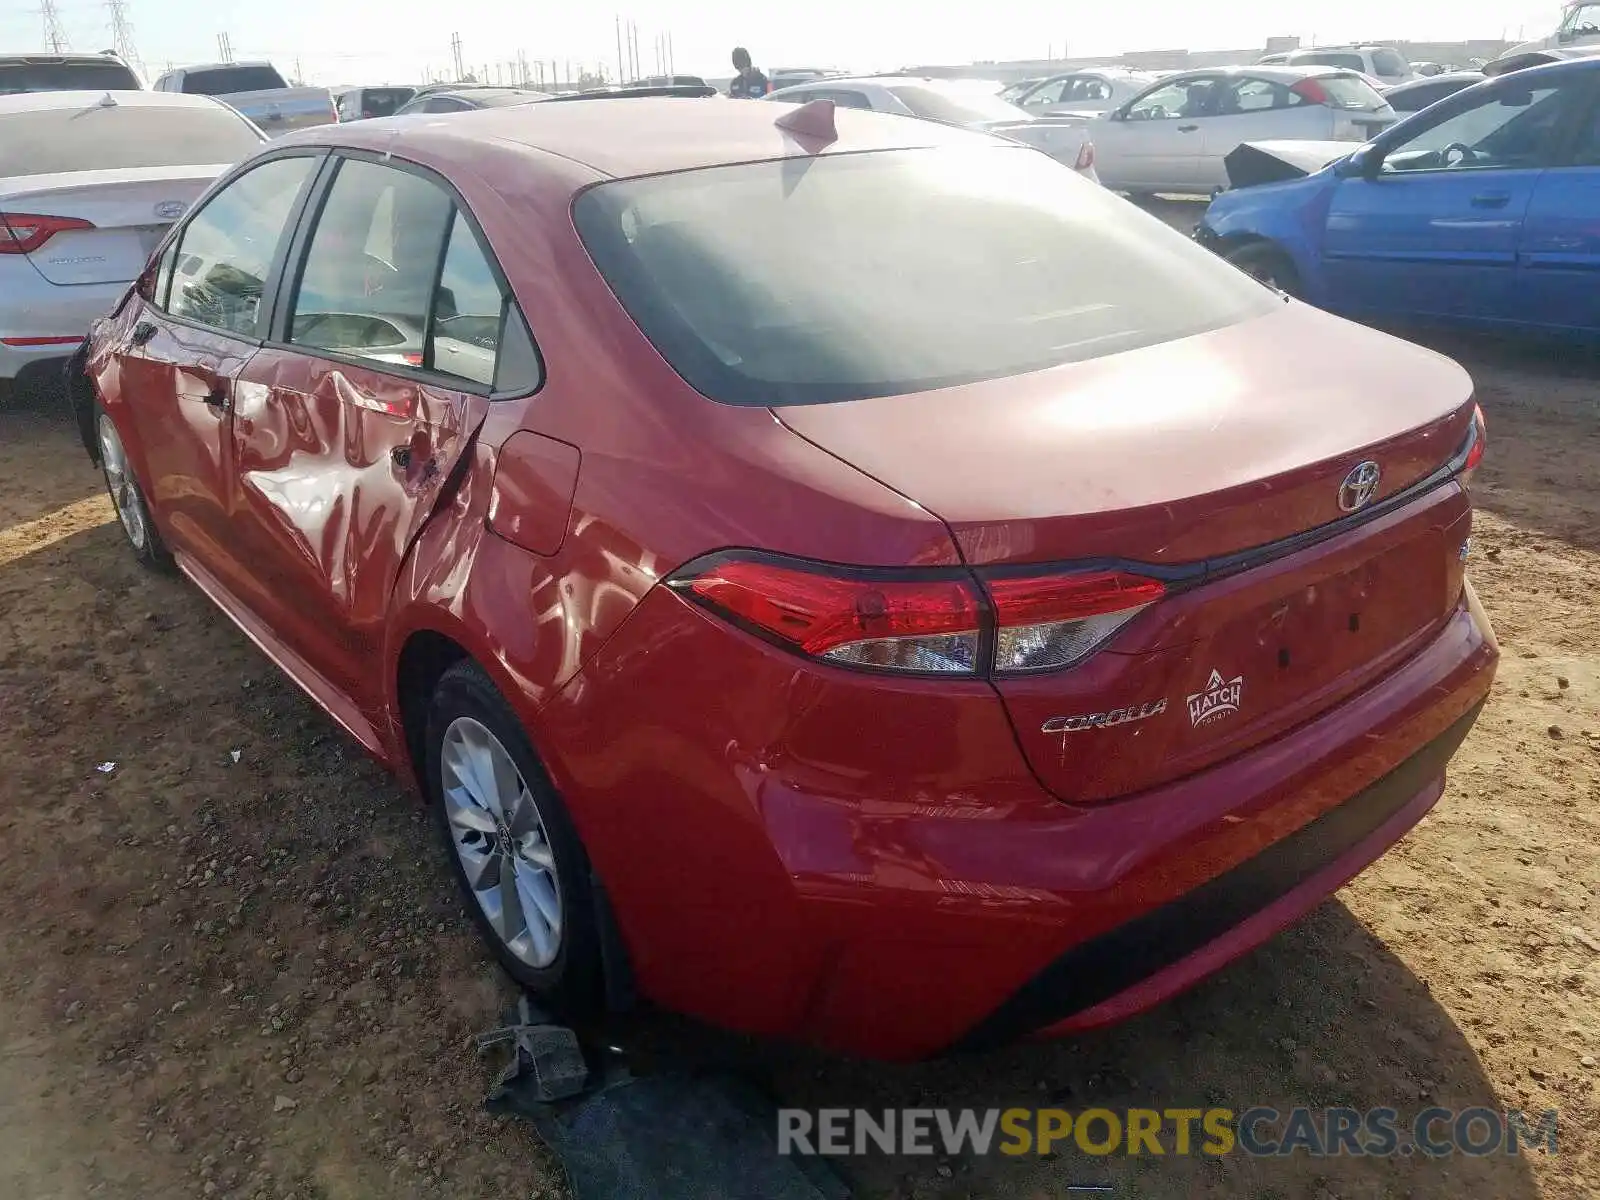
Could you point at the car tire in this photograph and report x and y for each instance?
(127, 497)
(511, 857)
(1266, 263)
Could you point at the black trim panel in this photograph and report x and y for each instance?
(1102, 967)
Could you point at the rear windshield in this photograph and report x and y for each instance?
(95, 138)
(1350, 91)
(805, 281)
(957, 106)
(1389, 64)
(225, 81)
(89, 76)
(381, 102)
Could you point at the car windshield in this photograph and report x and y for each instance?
(956, 105)
(55, 140)
(90, 75)
(846, 276)
(228, 81)
(1351, 62)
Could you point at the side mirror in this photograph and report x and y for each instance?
(1365, 163)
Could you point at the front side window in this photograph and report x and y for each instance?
(1513, 128)
(879, 274)
(370, 265)
(1050, 92)
(1583, 21)
(226, 250)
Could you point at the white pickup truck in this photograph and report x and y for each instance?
(258, 91)
(1579, 29)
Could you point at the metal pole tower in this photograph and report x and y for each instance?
(55, 36)
(122, 35)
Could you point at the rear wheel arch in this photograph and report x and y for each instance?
(426, 658)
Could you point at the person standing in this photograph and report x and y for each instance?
(749, 83)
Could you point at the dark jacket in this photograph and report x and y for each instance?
(751, 86)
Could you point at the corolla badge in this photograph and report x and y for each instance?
(1360, 486)
(171, 210)
(1216, 700)
(1104, 720)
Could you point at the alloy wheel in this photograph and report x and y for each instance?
(501, 840)
(119, 482)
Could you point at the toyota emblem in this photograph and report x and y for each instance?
(1359, 487)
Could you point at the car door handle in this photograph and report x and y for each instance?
(1187, 128)
(1491, 200)
(217, 398)
(143, 332)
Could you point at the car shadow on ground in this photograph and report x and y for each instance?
(1324, 1016)
(32, 424)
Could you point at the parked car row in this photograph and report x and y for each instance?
(460, 418)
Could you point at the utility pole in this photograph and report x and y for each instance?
(622, 74)
(633, 49)
(224, 48)
(55, 36)
(672, 63)
(122, 35)
(455, 54)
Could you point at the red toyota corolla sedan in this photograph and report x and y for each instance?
(838, 576)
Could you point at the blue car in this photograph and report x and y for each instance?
(1482, 210)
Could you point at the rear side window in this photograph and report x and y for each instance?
(227, 248)
(89, 76)
(394, 273)
(112, 137)
(225, 81)
(892, 272)
(1350, 92)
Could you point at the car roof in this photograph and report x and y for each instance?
(625, 137)
(1414, 85)
(1288, 73)
(42, 101)
(219, 66)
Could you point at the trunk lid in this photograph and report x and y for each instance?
(129, 209)
(1200, 458)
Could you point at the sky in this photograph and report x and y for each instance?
(399, 40)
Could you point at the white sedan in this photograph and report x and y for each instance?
(1096, 91)
(971, 104)
(1174, 135)
(89, 182)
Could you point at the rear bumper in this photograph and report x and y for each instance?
(901, 887)
(45, 323)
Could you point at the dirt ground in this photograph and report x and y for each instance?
(232, 964)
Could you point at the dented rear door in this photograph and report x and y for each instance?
(337, 468)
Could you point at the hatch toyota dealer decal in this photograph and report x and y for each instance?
(1216, 700)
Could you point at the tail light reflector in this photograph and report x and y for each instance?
(1466, 459)
(1310, 91)
(23, 233)
(1053, 621)
(932, 622)
(1085, 157)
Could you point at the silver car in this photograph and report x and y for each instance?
(89, 183)
(971, 104)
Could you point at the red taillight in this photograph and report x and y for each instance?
(1085, 157)
(1471, 452)
(929, 624)
(926, 622)
(1047, 622)
(23, 233)
(1310, 91)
